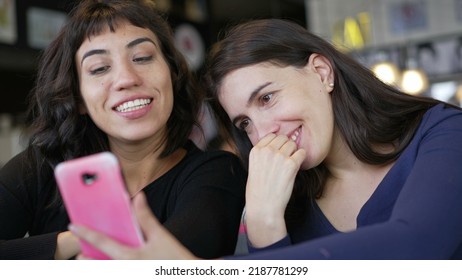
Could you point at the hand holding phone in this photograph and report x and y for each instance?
(94, 194)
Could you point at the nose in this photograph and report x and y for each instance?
(126, 76)
(263, 126)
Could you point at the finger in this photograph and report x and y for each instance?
(101, 242)
(148, 223)
(279, 141)
(288, 148)
(299, 156)
(266, 140)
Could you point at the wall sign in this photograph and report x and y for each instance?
(408, 16)
(189, 41)
(352, 33)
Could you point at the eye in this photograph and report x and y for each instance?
(243, 125)
(99, 70)
(143, 59)
(266, 98)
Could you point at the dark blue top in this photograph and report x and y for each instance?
(415, 212)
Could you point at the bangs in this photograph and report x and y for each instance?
(101, 16)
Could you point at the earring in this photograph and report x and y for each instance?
(331, 84)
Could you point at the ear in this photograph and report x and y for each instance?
(320, 65)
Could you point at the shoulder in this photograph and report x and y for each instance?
(16, 183)
(441, 126)
(25, 171)
(15, 169)
(442, 115)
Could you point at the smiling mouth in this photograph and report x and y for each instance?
(133, 105)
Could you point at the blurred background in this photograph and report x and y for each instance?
(415, 45)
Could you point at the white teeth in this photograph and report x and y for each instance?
(132, 105)
(295, 136)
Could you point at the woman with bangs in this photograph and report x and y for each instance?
(113, 81)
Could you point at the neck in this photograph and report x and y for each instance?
(341, 159)
(141, 165)
(342, 162)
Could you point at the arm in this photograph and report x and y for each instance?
(15, 220)
(58, 246)
(26, 231)
(273, 165)
(31, 248)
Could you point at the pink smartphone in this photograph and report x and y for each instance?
(94, 194)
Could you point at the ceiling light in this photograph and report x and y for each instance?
(387, 72)
(414, 81)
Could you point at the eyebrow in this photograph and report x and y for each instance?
(251, 99)
(129, 46)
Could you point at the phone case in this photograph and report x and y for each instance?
(94, 194)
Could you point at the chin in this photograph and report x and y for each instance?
(305, 166)
(308, 164)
